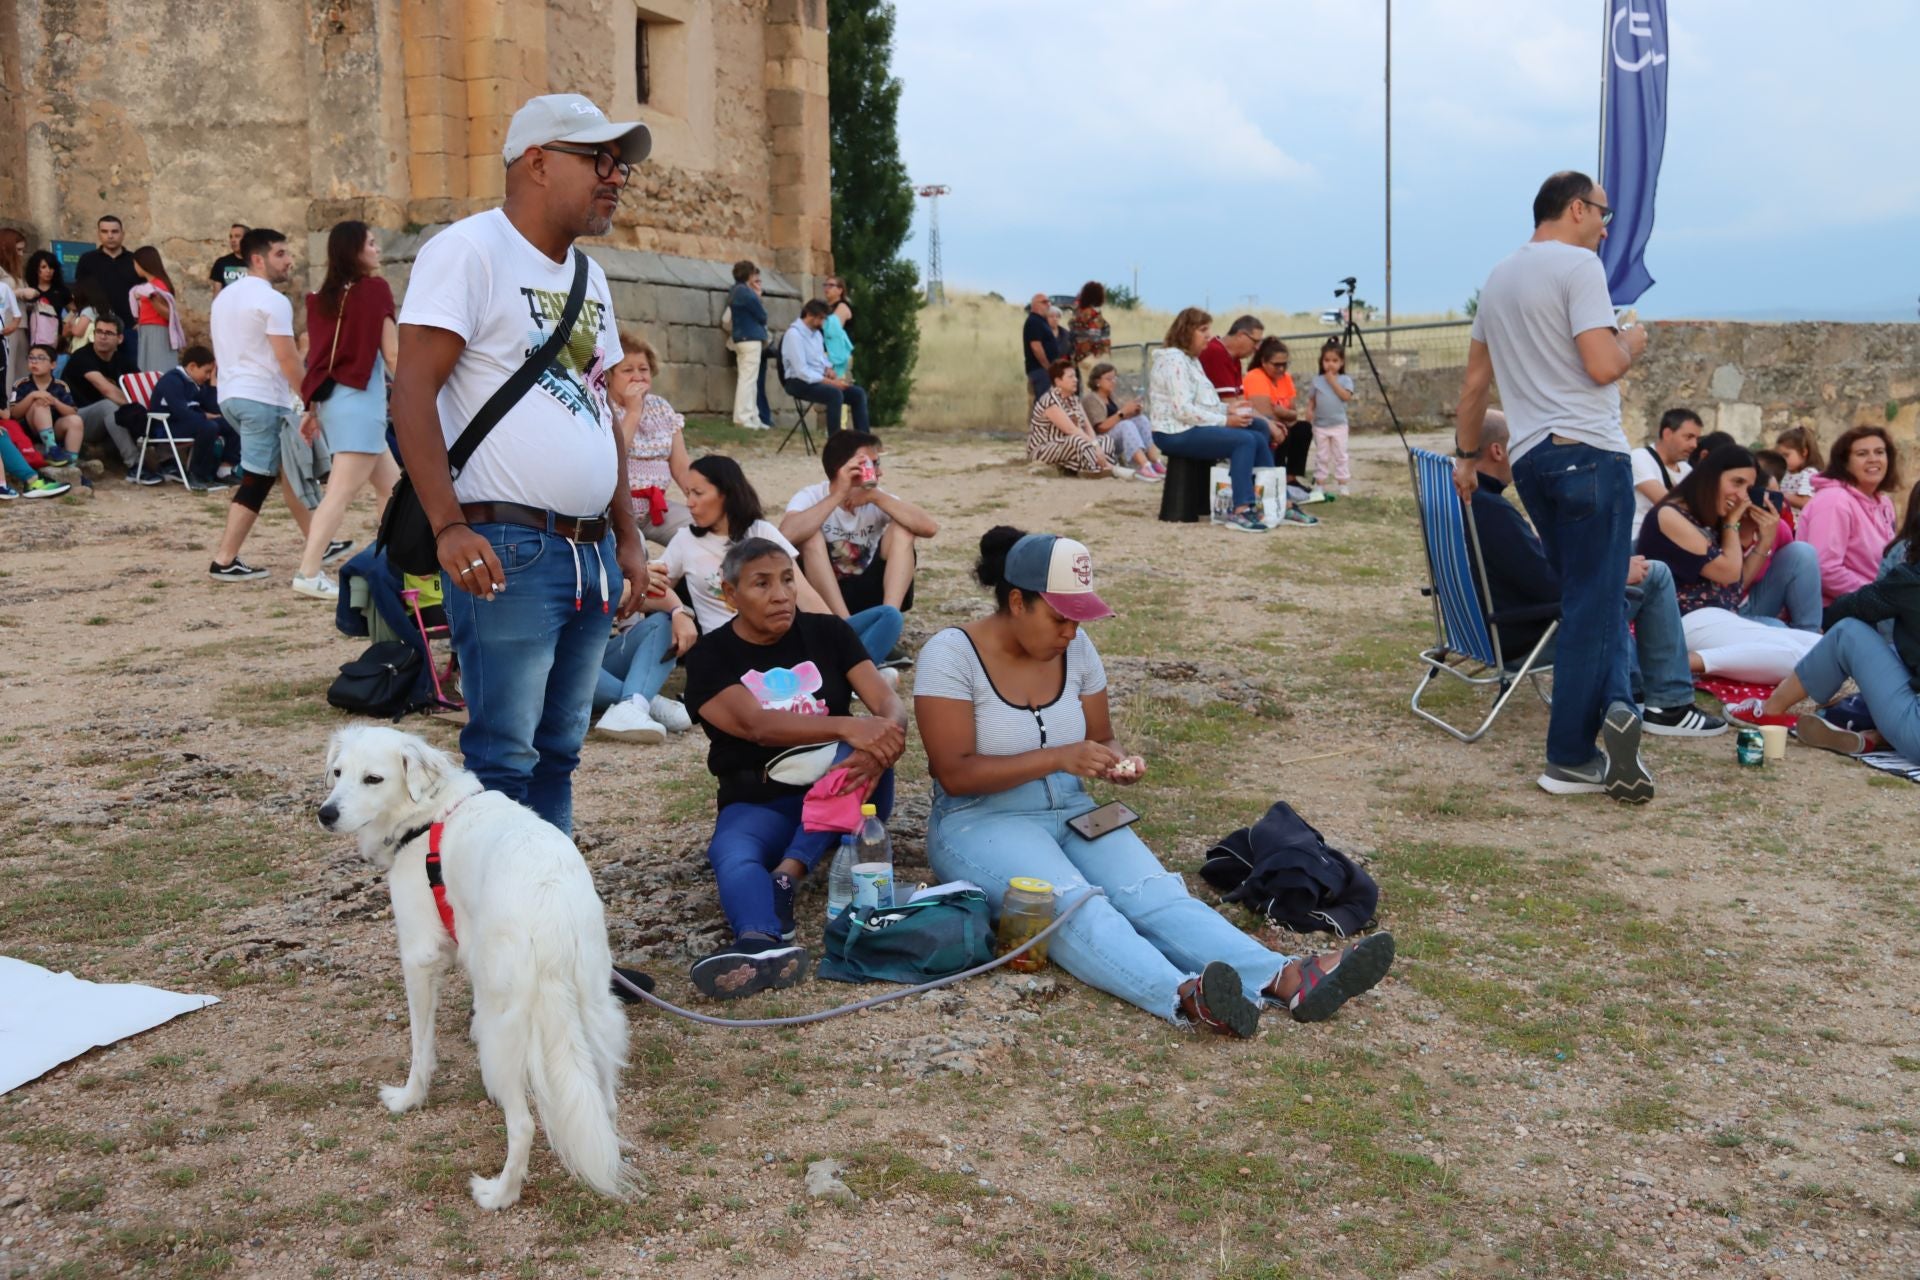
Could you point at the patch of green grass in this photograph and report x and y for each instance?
(77, 1195)
(1641, 1114)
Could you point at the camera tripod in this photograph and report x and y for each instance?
(1352, 334)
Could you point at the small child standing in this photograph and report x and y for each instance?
(1331, 390)
(1801, 448)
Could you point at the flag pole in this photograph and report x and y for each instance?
(1606, 52)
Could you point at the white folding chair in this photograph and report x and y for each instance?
(138, 388)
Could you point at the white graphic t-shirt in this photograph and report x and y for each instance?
(481, 279)
(697, 559)
(853, 537)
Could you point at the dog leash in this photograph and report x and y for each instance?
(705, 1019)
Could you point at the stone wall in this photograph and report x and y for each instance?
(1752, 380)
(674, 303)
(182, 116)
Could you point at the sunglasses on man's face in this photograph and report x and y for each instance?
(1606, 214)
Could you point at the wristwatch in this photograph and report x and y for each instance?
(1458, 452)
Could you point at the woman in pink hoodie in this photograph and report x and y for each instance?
(1850, 519)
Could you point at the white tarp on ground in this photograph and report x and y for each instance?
(47, 1018)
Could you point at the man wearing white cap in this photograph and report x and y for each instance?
(535, 533)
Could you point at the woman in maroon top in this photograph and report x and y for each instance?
(352, 343)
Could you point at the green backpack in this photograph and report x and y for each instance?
(912, 943)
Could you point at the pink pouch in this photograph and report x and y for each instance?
(823, 810)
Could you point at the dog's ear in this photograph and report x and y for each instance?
(425, 767)
(334, 745)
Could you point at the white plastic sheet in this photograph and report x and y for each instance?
(47, 1018)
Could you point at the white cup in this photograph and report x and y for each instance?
(1775, 738)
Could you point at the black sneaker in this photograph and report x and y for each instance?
(238, 571)
(783, 889)
(1626, 778)
(1682, 722)
(147, 478)
(750, 965)
(336, 550)
(641, 980)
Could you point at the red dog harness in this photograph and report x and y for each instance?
(433, 831)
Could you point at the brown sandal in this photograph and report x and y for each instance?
(1217, 1002)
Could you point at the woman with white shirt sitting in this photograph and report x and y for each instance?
(1013, 710)
(726, 509)
(1190, 421)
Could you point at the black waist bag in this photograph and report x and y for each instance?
(406, 535)
(379, 682)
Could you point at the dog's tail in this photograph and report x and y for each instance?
(578, 1047)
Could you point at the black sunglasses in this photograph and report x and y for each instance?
(604, 163)
(1606, 214)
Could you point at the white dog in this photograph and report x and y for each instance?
(532, 939)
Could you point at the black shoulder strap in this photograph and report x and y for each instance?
(525, 376)
(1660, 462)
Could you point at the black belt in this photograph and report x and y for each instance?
(586, 529)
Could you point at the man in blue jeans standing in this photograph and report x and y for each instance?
(1519, 576)
(536, 533)
(1545, 329)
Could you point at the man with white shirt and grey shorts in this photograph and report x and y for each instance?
(1545, 330)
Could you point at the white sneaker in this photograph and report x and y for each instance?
(319, 586)
(629, 722)
(755, 425)
(670, 714)
(1345, 491)
(1121, 473)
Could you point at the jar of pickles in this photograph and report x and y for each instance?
(1024, 912)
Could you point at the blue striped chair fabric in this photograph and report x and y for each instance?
(1463, 620)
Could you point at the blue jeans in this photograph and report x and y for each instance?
(854, 397)
(750, 840)
(1792, 584)
(1658, 671)
(528, 663)
(637, 662)
(879, 630)
(1139, 942)
(214, 442)
(1855, 648)
(1244, 449)
(1580, 500)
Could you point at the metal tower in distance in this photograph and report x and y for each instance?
(936, 286)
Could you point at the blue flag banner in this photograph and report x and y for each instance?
(1635, 124)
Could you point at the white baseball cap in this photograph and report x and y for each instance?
(569, 117)
(1060, 570)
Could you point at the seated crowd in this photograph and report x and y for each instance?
(1751, 567)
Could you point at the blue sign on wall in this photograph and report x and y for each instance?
(68, 252)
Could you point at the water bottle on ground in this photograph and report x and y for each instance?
(840, 879)
(873, 862)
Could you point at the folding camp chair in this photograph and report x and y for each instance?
(1466, 628)
(801, 408)
(138, 388)
(431, 627)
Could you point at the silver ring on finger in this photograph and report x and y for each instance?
(475, 564)
(468, 569)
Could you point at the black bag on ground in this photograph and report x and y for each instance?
(406, 535)
(1282, 868)
(380, 682)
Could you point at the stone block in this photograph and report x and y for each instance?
(425, 56)
(786, 107)
(437, 95)
(1741, 421)
(787, 168)
(682, 385)
(492, 97)
(433, 174)
(486, 175)
(684, 306)
(775, 284)
(700, 344)
(430, 19)
(1727, 383)
(717, 394)
(635, 303)
(430, 133)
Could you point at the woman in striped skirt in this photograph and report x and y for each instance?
(1058, 431)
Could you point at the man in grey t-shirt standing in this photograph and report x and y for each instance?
(1545, 330)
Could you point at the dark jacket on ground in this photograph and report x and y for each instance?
(1282, 868)
(1518, 572)
(1895, 596)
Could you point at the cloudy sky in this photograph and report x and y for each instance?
(1233, 148)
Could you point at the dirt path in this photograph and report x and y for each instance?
(1667, 1041)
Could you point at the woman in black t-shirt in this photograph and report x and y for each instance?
(771, 679)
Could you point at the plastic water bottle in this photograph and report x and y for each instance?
(840, 879)
(872, 849)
